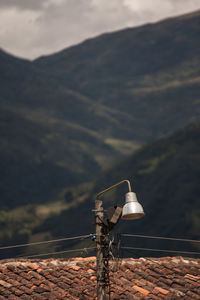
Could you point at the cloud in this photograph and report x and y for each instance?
(69, 23)
(159, 9)
(31, 28)
(18, 31)
(23, 4)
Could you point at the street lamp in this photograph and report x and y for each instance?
(131, 210)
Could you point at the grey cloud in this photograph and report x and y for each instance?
(23, 4)
(182, 6)
(74, 21)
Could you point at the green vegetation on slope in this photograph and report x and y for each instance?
(165, 175)
(83, 108)
(67, 117)
(40, 157)
(151, 73)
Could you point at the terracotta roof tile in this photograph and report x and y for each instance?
(141, 290)
(161, 290)
(144, 278)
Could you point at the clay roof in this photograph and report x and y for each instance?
(143, 278)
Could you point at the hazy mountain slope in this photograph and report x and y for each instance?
(128, 53)
(165, 175)
(80, 110)
(150, 72)
(45, 144)
(24, 86)
(38, 159)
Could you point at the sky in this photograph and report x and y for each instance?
(31, 28)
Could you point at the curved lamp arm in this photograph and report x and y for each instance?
(113, 186)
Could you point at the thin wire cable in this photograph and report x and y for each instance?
(162, 250)
(47, 242)
(159, 238)
(57, 252)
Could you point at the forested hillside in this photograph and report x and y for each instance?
(150, 73)
(165, 176)
(68, 118)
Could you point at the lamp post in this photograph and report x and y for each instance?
(131, 210)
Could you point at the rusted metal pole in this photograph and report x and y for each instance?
(102, 269)
(101, 288)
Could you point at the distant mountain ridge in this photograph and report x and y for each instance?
(165, 176)
(146, 72)
(79, 111)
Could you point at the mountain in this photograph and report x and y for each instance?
(69, 116)
(165, 176)
(150, 73)
(41, 151)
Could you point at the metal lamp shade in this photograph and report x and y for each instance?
(132, 208)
